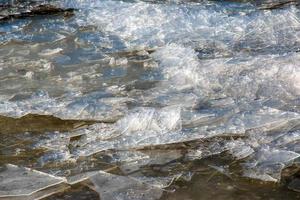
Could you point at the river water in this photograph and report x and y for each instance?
(150, 100)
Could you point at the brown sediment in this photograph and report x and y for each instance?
(38, 123)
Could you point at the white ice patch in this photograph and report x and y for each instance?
(164, 120)
(180, 65)
(247, 78)
(213, 28)
(142, 127)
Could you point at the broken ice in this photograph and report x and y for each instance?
(221, 77)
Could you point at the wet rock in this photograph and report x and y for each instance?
(30, 8)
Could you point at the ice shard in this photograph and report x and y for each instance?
(19, 181)
(111, 186)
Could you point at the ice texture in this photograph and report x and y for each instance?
(142, 127)
(269, 163)
(20, 181)
(158, 82)
(200, 29)
(214, 29)
(121, 187)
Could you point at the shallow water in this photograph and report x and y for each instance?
(178, 99)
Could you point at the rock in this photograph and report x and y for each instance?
(31, 8)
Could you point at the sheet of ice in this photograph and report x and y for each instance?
(111, 186)
(132, 161)
(239, 149)
(20, 181)
(287, 138)
(266, 173)
(268, 163)
(273, 156)
(42, 194)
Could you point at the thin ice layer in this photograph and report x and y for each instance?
(42, 194)
(269, 163)
(20, 181)
(111, 186)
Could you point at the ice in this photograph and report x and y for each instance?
(287, 138)
(222, 169)
(251, 77)
(117, 62)
(269, 174)
(181, 70)
(95, 106)
(236, 77)
(268, 164)
(212, 28)
(150, 127)
(239, 149)
(132, 161)
(142, 127)
(159, 82)
(42, 194)
(20, 181)
(80, 177)
(111, 186)
(166, 119)
(50, 52)
(55, 156)
(273, 156)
